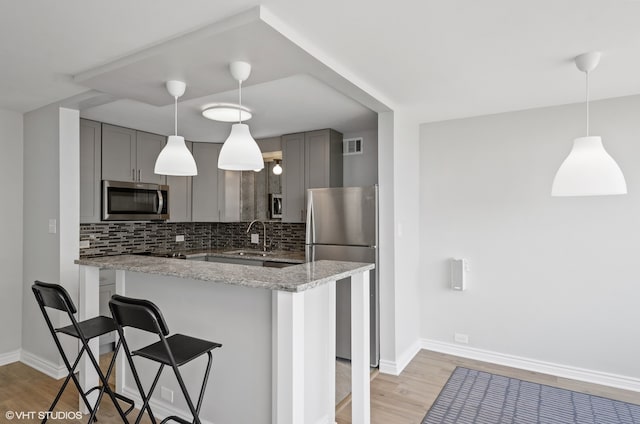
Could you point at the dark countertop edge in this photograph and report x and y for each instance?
(116, 262)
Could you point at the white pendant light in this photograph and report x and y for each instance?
(240, 152)
(175, 158)
(277, 169)
(588, 170)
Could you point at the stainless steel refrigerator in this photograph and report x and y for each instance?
(342, 225)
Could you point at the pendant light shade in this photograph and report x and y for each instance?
(240, 152)
(588, 170)
(175, 158)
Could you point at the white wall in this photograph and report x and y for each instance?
(11, 140)
(51, 191)
(551, 279)
(362, 169)
(398, 239)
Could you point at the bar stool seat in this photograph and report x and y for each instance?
(93, 327)
(184, 349)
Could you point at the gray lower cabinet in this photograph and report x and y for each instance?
(311, 160)
(107, 289)
(90, 170)
(130, 155)
(180, 196)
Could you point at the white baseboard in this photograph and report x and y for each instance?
(558, 370)
(396, 367)
(9, 357)
(160, 409)
(45, 366)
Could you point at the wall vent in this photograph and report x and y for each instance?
(352, 146)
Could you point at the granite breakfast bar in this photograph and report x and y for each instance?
(277, 327)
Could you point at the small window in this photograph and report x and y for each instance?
(352, 146)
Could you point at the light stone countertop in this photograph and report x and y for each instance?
(295, 278)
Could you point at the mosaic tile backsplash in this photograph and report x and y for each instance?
(116, 238)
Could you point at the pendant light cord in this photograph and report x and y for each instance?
(587, 103)
(175, 115)
(240, 101)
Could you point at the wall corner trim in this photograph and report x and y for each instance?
(54, 371)
(9, 357)
(558, 370)
(396, 367)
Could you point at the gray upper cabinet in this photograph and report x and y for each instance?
(130, 155)
(205, 185)
(180, 196)
(310, 160)
(293, 178)
(90, 170)
(215, 195)
(148, 147)
(118, 153)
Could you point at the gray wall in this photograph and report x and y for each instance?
(41, 202)
(11, 140)
(550, 279)
(51, 191)
(362, 170)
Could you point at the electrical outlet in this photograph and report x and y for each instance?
(166, 394)
(53, 226)
(461, 338)
(84, 244)
(255, 238)
(180, 238)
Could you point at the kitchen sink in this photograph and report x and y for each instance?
(247, 253)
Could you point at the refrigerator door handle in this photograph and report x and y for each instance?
(311, 230)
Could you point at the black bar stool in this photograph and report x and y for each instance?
(56, 297)
(175, 350)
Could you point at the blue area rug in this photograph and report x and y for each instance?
(479, 397)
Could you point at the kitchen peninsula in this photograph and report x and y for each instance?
(277, 327)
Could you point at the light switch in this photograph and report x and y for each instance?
(53, 226)
(180, 238)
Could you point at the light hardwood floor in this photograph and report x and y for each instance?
(406, 398)
(394, 400)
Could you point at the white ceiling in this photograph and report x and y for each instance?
(441, 59)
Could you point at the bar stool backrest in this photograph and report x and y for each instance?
(53, 296)
(138, 313)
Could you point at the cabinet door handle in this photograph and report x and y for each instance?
(133, 174)
(139, 175)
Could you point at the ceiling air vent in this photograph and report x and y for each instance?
(352, 146)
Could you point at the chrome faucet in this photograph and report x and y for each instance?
(264, 229)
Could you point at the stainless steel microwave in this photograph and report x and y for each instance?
(127, 201)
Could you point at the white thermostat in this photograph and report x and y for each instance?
(458, 280)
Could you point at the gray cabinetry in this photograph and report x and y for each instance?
(148, 147)
(311, 160)
(293, 178)
(215, 195)
(90, 170)
(180, 196)
(130, 155)
(205, 185)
